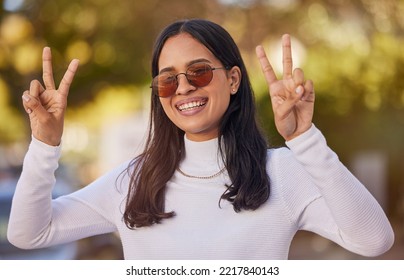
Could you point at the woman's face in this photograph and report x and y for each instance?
(196, 111)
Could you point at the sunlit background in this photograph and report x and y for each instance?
(353, 50)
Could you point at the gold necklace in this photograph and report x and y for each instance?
(202, 177)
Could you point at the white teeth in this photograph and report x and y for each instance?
(191, 105)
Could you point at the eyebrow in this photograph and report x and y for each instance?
(171, 68)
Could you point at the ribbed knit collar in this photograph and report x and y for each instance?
(201, 158)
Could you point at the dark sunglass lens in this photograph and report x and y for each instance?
(199, 75)
(165, 85)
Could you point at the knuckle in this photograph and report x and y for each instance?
(287, 59)
(267, 68)
(46, 75)
(33, 105)
(66, 81)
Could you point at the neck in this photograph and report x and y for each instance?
(202, 137)
(202, 159)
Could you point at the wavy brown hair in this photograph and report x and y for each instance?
(245, 148)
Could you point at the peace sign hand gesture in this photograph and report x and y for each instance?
(46, 105)
(292, 97)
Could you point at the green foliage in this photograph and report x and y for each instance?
(352, 50)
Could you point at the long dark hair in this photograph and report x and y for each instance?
(245, 147)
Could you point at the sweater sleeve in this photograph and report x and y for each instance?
(345, 211)
(37, 220)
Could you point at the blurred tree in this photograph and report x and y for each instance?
(354, 54)
(351, 49)
(113, 42)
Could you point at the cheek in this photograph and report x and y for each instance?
(222, 102)
(166, 105)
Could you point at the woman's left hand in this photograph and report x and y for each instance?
(292, 97)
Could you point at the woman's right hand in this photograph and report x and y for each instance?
(292, 97)
(46, 105)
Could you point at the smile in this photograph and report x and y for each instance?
(191, 105)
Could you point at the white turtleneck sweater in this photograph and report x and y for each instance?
(310, 190)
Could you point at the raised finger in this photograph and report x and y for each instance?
(287, 56)
(47, 74)
(266, 67)
(68, 77)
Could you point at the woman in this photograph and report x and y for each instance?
(205, 187)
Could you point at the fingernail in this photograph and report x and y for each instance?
(299, 90)
(26, 98)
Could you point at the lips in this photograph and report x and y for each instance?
(191, 104)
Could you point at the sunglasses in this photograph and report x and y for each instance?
(197, 75)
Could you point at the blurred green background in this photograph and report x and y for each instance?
(352, 50)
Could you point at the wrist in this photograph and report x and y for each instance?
(297, 133)
(54, 142)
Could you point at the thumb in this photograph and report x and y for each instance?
(33, 107)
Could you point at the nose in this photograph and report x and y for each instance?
(184, 87)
